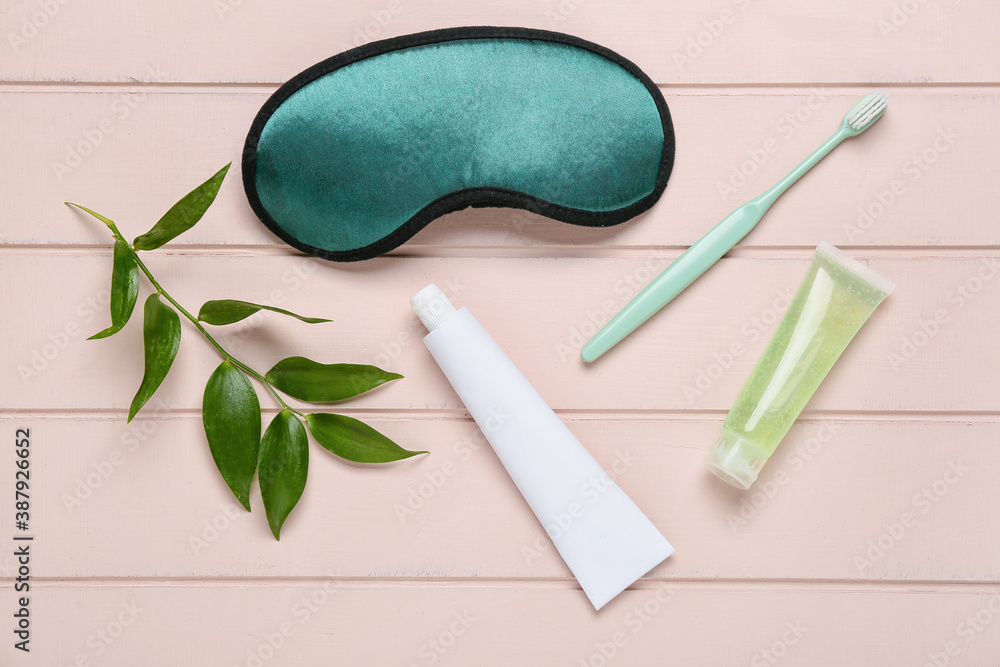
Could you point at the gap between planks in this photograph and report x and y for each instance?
(582, 251)
(617, 415)
(527, 583)
(693, 89)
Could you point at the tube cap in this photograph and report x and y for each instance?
(736, 460)
(432, 306)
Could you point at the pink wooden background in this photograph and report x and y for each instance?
(151, 563)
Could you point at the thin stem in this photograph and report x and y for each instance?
(266, 383)
(194, 320)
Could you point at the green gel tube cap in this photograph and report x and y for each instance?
(736, 460)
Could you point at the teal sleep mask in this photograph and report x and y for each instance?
(358, 153)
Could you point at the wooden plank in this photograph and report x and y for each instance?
(130, 154)
(721, 41)
(325, 622)
(840, 500)
(922, 345)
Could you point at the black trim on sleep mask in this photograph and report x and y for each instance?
(477, 197)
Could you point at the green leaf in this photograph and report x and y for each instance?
(227, 311)
(183, 215)
(308, 380)
(230, 412)
(161, 336)
(353, 440)
(124, 289)
(106, 221)
(283, 462)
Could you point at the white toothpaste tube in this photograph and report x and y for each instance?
(604, 538)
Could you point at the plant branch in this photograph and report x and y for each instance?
(194, 320)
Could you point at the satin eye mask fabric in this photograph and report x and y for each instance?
(358, 153)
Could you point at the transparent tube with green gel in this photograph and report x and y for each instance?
(835, 299)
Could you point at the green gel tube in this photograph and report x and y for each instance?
(835, 299)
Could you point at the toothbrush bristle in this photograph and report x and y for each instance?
(867, 111)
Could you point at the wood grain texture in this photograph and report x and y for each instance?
(892, 186)
(722, 41)
(833, 490)
(869, 539)
(327, 622)
(917, 341)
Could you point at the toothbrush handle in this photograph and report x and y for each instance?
(768, 198)
(682, 272)
(695, 261)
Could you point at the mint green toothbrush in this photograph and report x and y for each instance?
(708, 249)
